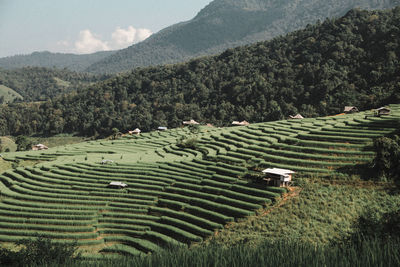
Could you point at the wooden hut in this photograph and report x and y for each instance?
(137, 131)
(106, 161)
(297, 116)
(278, 177)
(191, 122)
(240, 123)
(117, 185)
(350, 109)
(382, 111)
(39, 147)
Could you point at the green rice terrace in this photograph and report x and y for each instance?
(177, 194)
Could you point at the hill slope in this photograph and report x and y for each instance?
(225, 24)
(46, 59)
(177, 195)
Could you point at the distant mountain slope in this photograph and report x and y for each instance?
(49, 60)
(225, 24)
(315, 71)
(35, 83)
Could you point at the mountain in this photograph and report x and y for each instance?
(315, 71)
(49, 60)
(225, 24)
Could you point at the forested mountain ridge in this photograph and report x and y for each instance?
(38, 84)
(353, 60)
(47, 59)
(225, 24)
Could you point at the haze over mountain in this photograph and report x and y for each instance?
(47, 59)
(220, 25)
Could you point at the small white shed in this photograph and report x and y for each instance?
(240, 123)
(117, 185)
(39, 147)
(297, 116)
(278, 177)
(137, 131)
(191, 122)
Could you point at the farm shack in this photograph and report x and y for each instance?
(382, 111)
(39, 147)
(191, 122)
(240, 123)
(137, 131)
(350, 109)
(106, 161)
(278, 177)
(297, 116)
(117, 185)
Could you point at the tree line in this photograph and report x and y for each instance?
(316, 71)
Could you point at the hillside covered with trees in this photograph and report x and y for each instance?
(38, 84)
(220, 25)
(226, 24)
(352, 60)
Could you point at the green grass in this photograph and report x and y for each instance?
(322, 213)
(184, 196)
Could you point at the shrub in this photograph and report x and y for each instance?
(386, 161)
(39, 251)
(188, 143)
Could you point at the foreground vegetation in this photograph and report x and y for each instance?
(362, 252)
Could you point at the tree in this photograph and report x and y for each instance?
(39, 252)
(114, 133)
(194, 128)
(23, 143)
(387, 159)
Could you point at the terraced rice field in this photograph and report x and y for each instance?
(175, 196)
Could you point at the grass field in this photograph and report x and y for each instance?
(181, 196)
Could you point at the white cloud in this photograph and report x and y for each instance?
(89, 43)
(122, 38)
(143, 34)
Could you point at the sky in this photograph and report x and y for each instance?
(86, 26)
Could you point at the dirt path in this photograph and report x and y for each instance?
(293, 192)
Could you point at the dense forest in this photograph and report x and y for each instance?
(38, 84)
(226, 24)
(353, 60)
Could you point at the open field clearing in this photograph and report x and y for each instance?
(177, 195)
